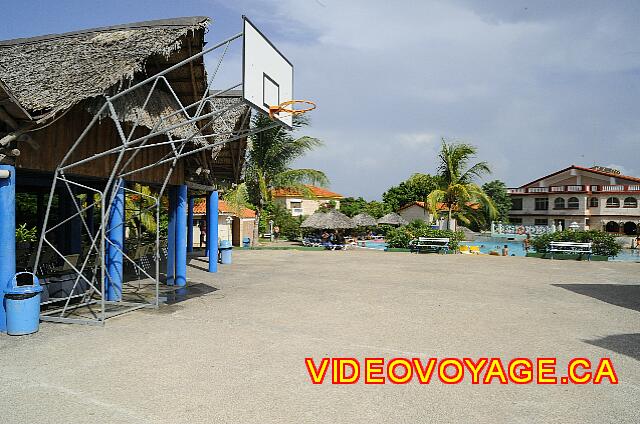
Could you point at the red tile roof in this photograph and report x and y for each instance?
(200, 208)
(581, 168)
(317, 191)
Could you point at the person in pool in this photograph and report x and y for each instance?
(505, 250)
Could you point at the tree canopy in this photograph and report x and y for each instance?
(416, 188)
(456, 189)
(497, 192)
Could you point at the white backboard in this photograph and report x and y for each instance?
(267, 76)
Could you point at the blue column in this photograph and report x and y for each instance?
(171, 238)
(181, 236)
(7, 234)
(212, 230)
(190, 225)
(206, 219)
(115, 234)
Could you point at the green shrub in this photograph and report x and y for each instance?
(400, 237)
(603, 243)
(26, 235)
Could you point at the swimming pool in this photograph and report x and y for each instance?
(516, 248)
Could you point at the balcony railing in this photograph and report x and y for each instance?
(608, 188)
(577, 189)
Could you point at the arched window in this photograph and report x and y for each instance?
(612, 227)
(613, 202)
(630, 202)
(593, 202)
(573, 203)
(558, 203)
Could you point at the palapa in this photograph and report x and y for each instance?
(332, 220)
(364, 220)
(392, 219)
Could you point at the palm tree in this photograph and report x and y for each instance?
(269, 162)
(456, 190)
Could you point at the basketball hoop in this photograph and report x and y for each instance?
(282, 108)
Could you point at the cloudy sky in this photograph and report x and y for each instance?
(536, 85)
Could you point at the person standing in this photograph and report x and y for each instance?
(276, 232)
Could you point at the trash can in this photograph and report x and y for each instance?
(225, 252)
(22, 304)
(246, 242)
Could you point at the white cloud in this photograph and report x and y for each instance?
(535, 85)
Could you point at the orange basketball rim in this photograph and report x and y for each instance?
(288, 107)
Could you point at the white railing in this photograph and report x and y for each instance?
(575, 188)
(557, 188)
(537, 189)
(612, 188)
(633, 188)
(515, 190)
(594, 188)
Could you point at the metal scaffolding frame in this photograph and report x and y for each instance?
(91, 306)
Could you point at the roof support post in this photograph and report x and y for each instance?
(190, 225)
(171, 238)
(7, 233)
(115, 244)
(181, 236)
(212, 230)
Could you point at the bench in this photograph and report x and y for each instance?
(435, 244)
(571, 248)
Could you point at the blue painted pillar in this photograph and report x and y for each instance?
(171, 239)
(7, 234)
(212, 230)
(190, 225)
(181, 236)
(207, 204)
(115, 234)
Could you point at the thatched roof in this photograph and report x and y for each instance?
(331, 220)
(364, 220)
(392, 219)
(46, 75)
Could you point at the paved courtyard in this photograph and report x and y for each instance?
(236, 354)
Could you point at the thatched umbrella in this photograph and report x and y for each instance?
(332, 220)
(364, 220)
(392, 219)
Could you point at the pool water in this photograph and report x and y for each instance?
(627, 255)
(516, 248)
(373, 244)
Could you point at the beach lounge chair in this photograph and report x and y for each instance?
(474, 250)
(464, 249)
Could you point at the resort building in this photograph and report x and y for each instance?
(593, 198)
(299, 204)
(231, 227)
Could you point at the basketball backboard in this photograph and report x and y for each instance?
(267, 76)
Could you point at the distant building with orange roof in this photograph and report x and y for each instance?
(419, 211)
(299, 204)
(231, 226)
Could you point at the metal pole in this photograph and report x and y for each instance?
(212, 231)
(7, 233)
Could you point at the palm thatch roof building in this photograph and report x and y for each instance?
(50, 86)
(364, 220)
(392, 219)
(331, 220)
